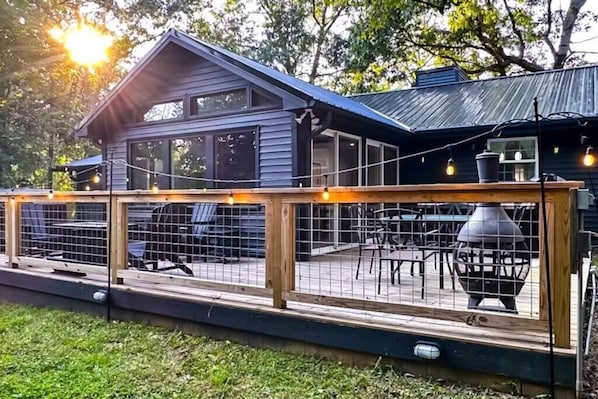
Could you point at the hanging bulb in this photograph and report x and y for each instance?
(50, 194)
(450, 167)
(96, 179)
(87, 188)
(326, 194)
(155, 188)
(231, 199)
(589, 159)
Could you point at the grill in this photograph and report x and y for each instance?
(491, 257)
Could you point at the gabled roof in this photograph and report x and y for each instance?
(491, 101)
(314, 95)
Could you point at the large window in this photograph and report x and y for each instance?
(381, 169)
(517, 157)
(221, 156)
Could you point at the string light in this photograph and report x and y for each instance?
(450, 167)
(87, 188)
(96, 179)
(231, 199)
(325, 193)
(155, 187)
(50, 194)
(589, 159)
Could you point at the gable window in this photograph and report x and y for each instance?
(164, 111)
(517, 158)
(234, 100)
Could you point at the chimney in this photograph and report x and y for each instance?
(439, 76)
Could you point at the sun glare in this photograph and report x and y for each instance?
(86, 46)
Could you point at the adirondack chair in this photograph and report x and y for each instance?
(176, 232)
(36, 240)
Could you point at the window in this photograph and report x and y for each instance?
(517, 158)
(164, 111)
(148, 156)
(234, 100)
(189, 158)
(222, 156)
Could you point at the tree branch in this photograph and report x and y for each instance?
(566, 32)
(515, 29)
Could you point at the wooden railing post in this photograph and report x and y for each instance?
(119, 238)
(274, 251)
(560, 236)
(11, 228)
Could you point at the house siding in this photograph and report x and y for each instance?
(275, 127)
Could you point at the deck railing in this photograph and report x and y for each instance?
(292, 245)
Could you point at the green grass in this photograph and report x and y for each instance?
(54, 354)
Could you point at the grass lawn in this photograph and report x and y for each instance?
(54, 354)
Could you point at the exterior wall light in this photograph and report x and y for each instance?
(426, 350)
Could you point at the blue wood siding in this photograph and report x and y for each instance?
(200, 76)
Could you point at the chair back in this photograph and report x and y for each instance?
(167, 233)
(33, 221)
(203, 215)
(362, 223)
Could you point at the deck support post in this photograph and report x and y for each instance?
(274, 251)
(119, 239)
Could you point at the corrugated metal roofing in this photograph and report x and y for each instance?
(316, 93)
(491, 101)
(91, 161)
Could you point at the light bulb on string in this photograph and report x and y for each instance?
(325, 193)
(231, 199)
(97, 177)
(87, 187)
(450, 167)
(589, 159)
(51, 194)
(155, 187)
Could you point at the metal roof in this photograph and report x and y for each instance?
(91, 161)
(491, 101)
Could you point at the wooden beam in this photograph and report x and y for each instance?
(471, 318)
(274, 251)
(192, 282)
(65, 265)
(560, 271)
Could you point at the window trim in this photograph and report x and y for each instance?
(522, 161)
(166, 101)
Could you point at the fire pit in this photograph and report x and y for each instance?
(491, 258)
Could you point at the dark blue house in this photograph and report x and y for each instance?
(192, 109)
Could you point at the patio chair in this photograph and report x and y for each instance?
(36, 240)
(365, 230)
(166, 241)
(177, 231)
(406, 240)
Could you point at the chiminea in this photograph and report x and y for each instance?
(491, 258)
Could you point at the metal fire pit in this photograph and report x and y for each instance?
(491, 258)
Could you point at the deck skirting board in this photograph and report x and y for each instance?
(524, 365)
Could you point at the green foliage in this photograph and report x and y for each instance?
(497, 37)
(53, 354)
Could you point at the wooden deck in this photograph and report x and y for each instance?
(333, 276)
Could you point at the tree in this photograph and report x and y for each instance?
(489, 36)
(43, 93)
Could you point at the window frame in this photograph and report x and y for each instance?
(522, 161)
(141, 122)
